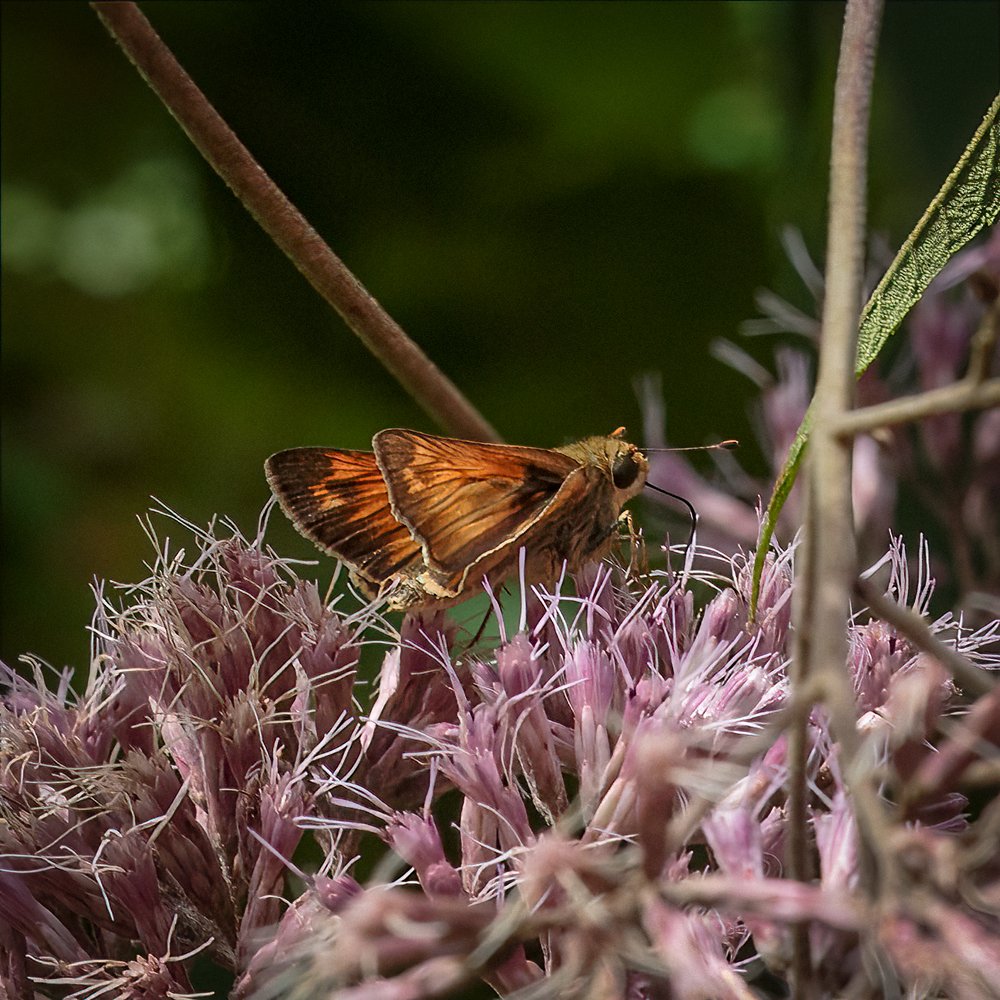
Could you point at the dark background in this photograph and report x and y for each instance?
(550, 198)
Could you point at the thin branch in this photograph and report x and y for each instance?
(283, 222)
(974, 392)
(963, 395)
(911, 625)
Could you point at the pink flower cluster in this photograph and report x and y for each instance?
(595, 808)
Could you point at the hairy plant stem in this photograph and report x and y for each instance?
(830, 563)
(282, 221)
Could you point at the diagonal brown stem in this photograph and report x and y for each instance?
(967, 675)
(282, 221)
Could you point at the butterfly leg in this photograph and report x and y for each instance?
(504, 589)
(480, 630)
(604, 545)
(637, 563)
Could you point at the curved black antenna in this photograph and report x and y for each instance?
(694, 516)
(721, 445)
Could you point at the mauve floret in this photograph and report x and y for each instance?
(876, 655)
(494, 816)
(656, 766)
(694, 962)
(591, 683)
(837, 844)
(415, 694)
(283, 798)
(721, 684)
(774, 602)
(590, 689)
(734, 835)
(144, 978)
(671, 619)
(525, 724)
(721, 624)
(387, 930)
(417, 841)
(642, 700)
(24, 918)
(308, 919)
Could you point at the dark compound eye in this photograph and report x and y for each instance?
(624, 471)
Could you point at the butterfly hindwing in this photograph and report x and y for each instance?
(338, 500)
(464, 499)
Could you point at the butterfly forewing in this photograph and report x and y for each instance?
(462, 498)
(338, 500)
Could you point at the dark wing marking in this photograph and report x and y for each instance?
(338, 500)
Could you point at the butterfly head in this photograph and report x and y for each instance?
(628, 467)
(623, 464)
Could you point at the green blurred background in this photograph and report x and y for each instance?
(550, 198)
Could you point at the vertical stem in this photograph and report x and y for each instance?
(829, 512)
(827, 577)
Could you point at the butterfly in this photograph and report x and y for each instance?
(425, 520)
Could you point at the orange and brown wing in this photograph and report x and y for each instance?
(338, 500)
(463, 499)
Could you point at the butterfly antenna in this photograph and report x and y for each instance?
(718, 446)
(691, 511)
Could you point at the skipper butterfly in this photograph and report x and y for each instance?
(424, 520)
